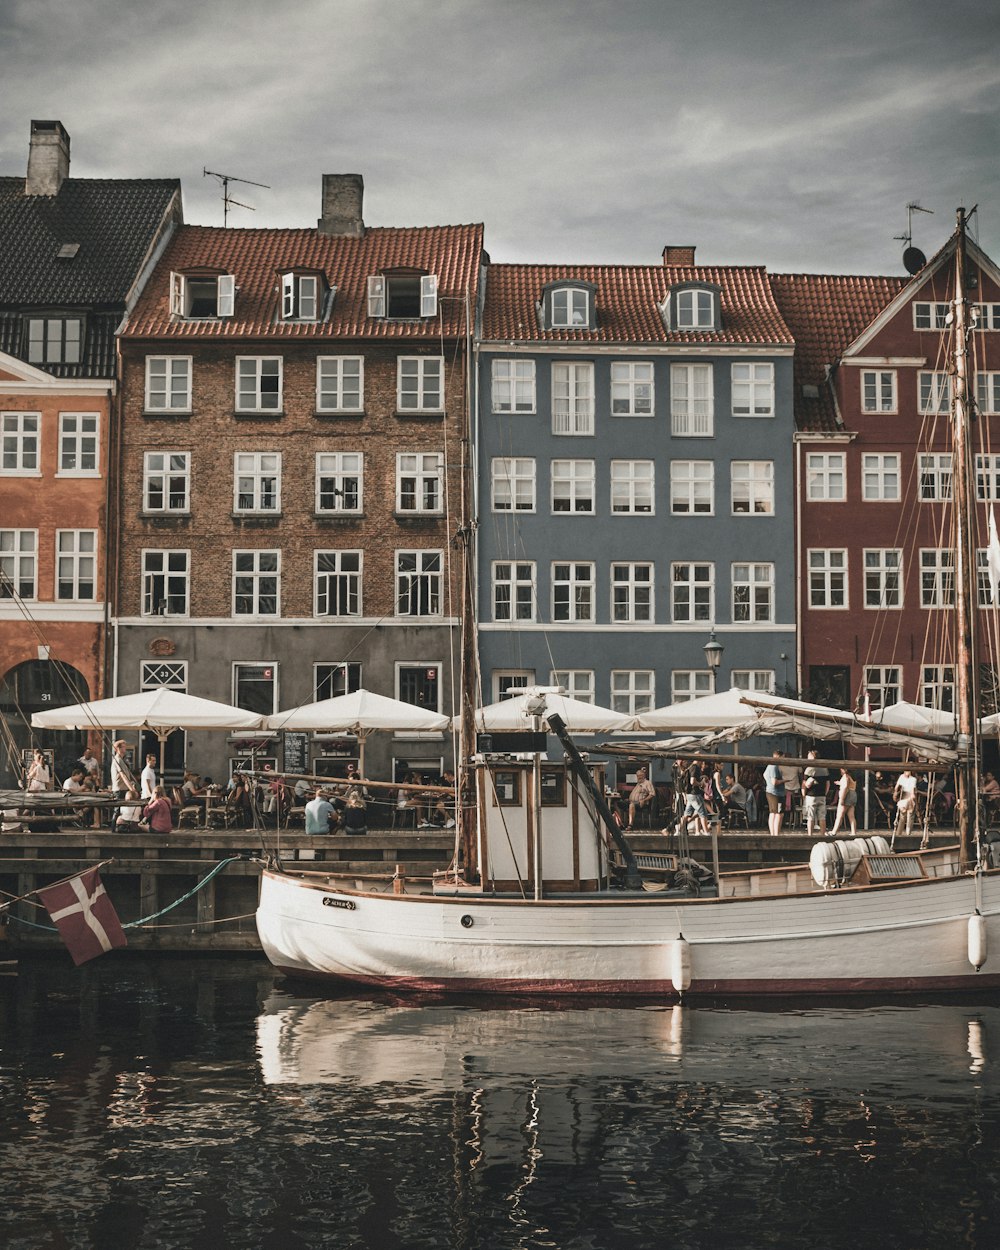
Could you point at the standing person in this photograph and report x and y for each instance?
(815, 782)
(791, 775)
(905, 794)
(121, 775)
(39, 775)
(89, 763)
(694, 799)
(847, 804)
(147, 778)
(774, 786)
(158, 812)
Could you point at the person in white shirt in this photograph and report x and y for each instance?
(88, 762)
(39, 776)
(905, 794)
(74, 782)
(147, 778)
(121, 774)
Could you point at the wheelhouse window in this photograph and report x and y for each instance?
(257, 482)
(513, 385)
(340, 383)
(403, 295)
(258, 383)
(420, 383)
(79, 444)
(338, 583)
(256, 583)
(166, 481)
(419, 583)
(301, 295)
(76, 565)
(165, 583)
(339, 481)
(419, 480)
(55, 340)
(198, 297)
(18, 564)
(168, 383)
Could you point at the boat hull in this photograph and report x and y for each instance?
(896, 938)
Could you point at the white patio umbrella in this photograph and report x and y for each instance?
(711, 712)
(914, 716)
(578, 717)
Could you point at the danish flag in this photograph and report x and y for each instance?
(84, 915)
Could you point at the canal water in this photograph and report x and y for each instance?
(207, 1103)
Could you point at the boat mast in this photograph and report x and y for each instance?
(967, 691)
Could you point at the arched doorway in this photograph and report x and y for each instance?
(36, 686)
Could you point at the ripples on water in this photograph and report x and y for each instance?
(206, 1104)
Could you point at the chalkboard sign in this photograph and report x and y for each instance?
(296, 753)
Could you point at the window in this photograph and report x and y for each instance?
(168, 383)
(339, 481)
(513, 590)
(692, 592)
(512, 484)
(937, 686)
(631, 389)
(332, 680)
(419, 684)
(418, 481)
(419, 384)
(632, 484)
(513, 385)
(988, 393)
(418, 583)
(258, 383)
(752, 487)
(753, 593)
(692, 487)
(300, 294)
(935, 476)
(573, 486)
(632, 691)
(340, 383)
(165, 583)
(753, 389)
(403, 296)
(570, 308)
(338, 583)
(18, 563)
(573, 399)
(930, 316)
(509, 682)
(695, 310)
(76, 565)
(878, 390)
(882, 685)
(198, 296)
(935, 392)
(55, 340)
(577, 682)
(689, 683)
(827, 577)
(985, 316)
(631, 593)
(166, 481)
(79, 449)
(163, 674)
(19, 436)
(255, 688)
(691, 401)
(826, 475)
(883, 577)
(257, 481)
(988, 477)
(753, 680)
(937, 577)
(880, 477)
(256, 583)
(572, 592)
(984, 596)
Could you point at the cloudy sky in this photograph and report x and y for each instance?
(778, 132)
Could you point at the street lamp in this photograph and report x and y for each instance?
(713, 658)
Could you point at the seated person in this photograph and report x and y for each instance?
(75, 783)
(991, 787)
(320, 813)
(129, 814)
(301, 791)
(192, 789)
(442, 816)
(159, 812)
(734, 795)
(354, 815)
(642, 798)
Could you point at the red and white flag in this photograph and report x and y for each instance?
(84, 915)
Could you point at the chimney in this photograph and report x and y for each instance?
(675, 254)
(48, 159)
(343, 197)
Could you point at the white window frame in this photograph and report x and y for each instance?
(687, 684)
(300, 297)
(692, 401)
(573, 483)
(633, 690)
(181, 297)
(574, 591)
(79, 440)
(425, 470)
(633, 593)
(827, 569)
(988, 392)
(751, 487)
(988, 317)
(55, 340)
(690, 480)
(987, 477)
(76, 564)
(252, 395)
(826, 476)
(20, 444)
(340, 581)
(882, 680)
(512, 484)
(504, 680)
(752, 383)
(167, 474)
(573, 398)
(577, 682)
(752, 592)
(342, 475)
(569, 308)
(419, 384)
(329, 677)
(696, 308)
(933, 392)
(937, 577)
(692, 592)
(753, 680)
(249, 566)
(422, 584)
(340, 384)
(930, 315)
(268, 668)
(632, 388)
(514, 591)
(881, 477)
(934, 476)
(878, 391)
(512, 386)
(883, 578)
(168, 384)
(261, 470)
(18, 564)
(937, 686)
(171, 573)
(633, 487)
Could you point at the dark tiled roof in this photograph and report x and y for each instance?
(628, 304)
(98, 350)
(826, 313)
(113, 219)
(257, 257)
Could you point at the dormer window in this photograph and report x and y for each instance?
(569, 306)
(54, 340)
(403, 295)
(301, 295)
(696, 309)
(202, 296)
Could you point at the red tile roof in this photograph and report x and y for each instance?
(257, 258)
(826, 313)
(628, 304)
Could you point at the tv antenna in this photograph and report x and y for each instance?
(913, 258)
(227, 199)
